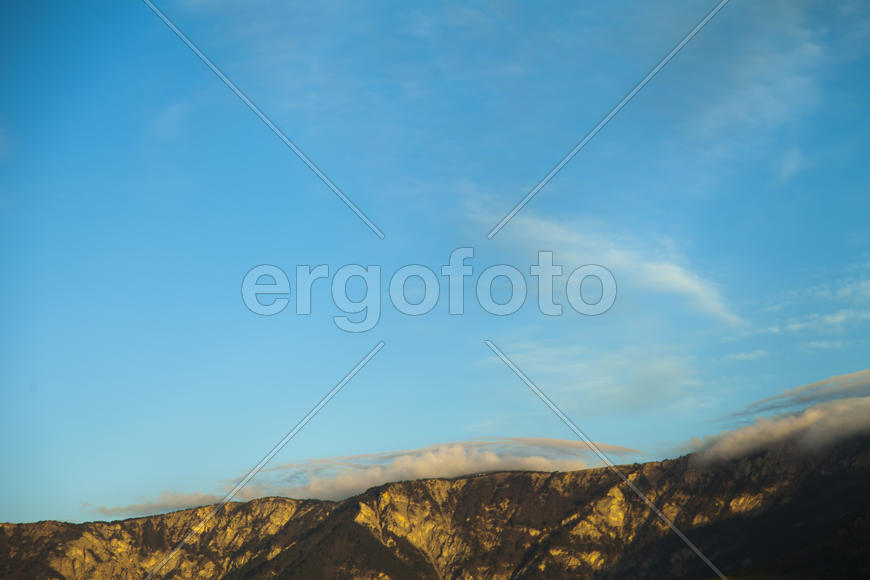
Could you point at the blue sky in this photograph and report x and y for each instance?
(730, 199)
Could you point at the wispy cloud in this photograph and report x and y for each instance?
(793, 162)
(836, 321)
(772, 78)
(340, 477)
(839, 387)
(850, 287)
(751, 355)
(825, 316)
(614, 379)
(824, 344)
(167, 123)
(859, 289)
(648, 266)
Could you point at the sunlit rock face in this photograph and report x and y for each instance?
(777, 514)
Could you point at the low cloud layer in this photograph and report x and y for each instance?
(811, 417)
(165, 502)
(340, 477)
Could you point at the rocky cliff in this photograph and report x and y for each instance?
(778, 514)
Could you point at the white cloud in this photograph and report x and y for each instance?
(648, 266)
(165, 502)
(859, 289)
(815, 427)
(752, 355)
(836, 321)
(340, 477)
(837, 308)
(814, 415)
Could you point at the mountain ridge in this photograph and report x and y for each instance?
(777, 513)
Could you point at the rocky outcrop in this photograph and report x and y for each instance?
(777, 514)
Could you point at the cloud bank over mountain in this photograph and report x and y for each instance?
(810, 416)
(337, 478)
